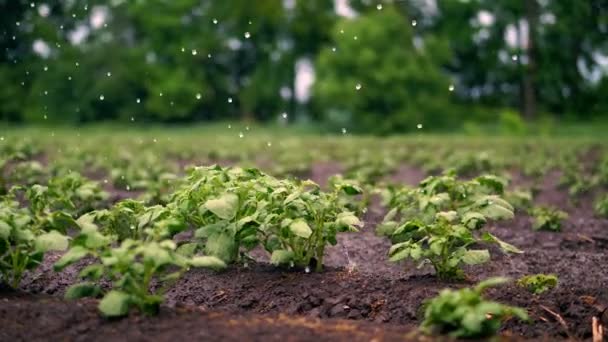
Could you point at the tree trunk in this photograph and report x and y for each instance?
(530, 70)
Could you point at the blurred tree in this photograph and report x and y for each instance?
(378, 77)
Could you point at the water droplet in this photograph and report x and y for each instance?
(514, 57)
(358, 86)
(355, 38)
(414, 23)
(138, 100)
(1, 138)
(341, 31)
(109, 74)
(451, 87)
(267, 144)
(343, 130)
(208, 55)
(77, 64)
(155, 140)
(194, 52)
(198, 96)
(307, 269)
(69, 78)
(214, 21)
(132, 119)
(229, 126)
(45, 117)
(46, 92)
(419, 126)
(132, 226)
(46, 68)
(183, 49)
(246, 128)
(284, 115)
(333, 49)
(160, 94)
(247, 35)
(101, 97)
(379, 7)
(241, 134)
(230, 100)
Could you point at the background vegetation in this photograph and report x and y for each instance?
(379, 66)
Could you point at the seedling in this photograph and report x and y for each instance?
(22, 246)
(538, 283)
(601, 206)
(465, 313)
(440, 220)
(132, 267)
(548, 218)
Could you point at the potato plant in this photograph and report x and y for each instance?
(140, 270)
(538, 283)
(465, 313)
(233, 209)
(441, 220)
(548, 218)
(22, 245)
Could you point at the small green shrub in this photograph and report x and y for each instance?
(465, 313)
(548, 218)
(538, 283)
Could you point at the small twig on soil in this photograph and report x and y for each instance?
(558, 318)
(597, 329)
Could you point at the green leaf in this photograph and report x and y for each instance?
(207, 262)
(74, 254)
(507, 247)
(475, 257)
(82, 290)
(187, 249)
(51, 241)
(224, 207)
(281, 257)
(300, 228)
(115, 304)
(92, 272)
(221, 245)
(5, 230)
(491, 282)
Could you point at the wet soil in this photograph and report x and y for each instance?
(359, 296)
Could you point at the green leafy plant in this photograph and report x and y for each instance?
(440, 221)
(601, 206)
(548, 218)
(22, 246)
(538, 283)
(132, 267)
(465, 313)
(234, 209)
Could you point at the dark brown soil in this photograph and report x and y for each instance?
(381, 299)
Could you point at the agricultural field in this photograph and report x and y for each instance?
(261, 234)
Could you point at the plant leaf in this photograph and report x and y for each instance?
(51, 241)
(115, 304)
(207, 262)
(224, 207)
(300, 228)
(475, 257)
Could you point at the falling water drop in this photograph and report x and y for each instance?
(214, 21)
(343, 130)
(241, 134)
(379, 7)
(414, 23)
(247, 35)
(230, 100)
(419, 126)
(451, 87)
(358, 86)
(198, 96)
(194, 52)
(101, 97)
